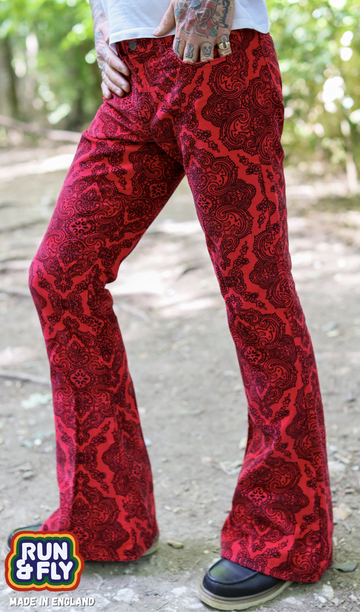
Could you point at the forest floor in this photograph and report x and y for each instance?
(189, 390)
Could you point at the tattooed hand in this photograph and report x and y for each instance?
(200, 26)
(111, 66)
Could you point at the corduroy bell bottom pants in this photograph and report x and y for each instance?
(220, 123)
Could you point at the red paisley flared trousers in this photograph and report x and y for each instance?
(220, 123)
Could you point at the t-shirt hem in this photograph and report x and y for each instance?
(238, 24)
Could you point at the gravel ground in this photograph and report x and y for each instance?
(187, 382)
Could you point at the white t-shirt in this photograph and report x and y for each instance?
(129, 19)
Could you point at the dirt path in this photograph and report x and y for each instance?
(187, 382)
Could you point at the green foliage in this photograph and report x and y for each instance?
(318, 44)
(53, 55)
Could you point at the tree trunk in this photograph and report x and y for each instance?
(8, 95)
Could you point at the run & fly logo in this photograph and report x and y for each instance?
(43, 560)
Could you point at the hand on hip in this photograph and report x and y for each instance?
(201, 25)
(113, 69)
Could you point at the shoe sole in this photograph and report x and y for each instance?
(152, 549)
(240, 603)
(6, 547)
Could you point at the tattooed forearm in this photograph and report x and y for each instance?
(97, 12)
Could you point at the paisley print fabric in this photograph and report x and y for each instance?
(220, 123)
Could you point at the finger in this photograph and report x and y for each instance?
(108, 55)
(179, 46)
(224, 51)
(116, 78)
(190, 53)
(116, 90)
(167, 23)
(224, 47)
(115, 62)
(106, 91)
(206, 51)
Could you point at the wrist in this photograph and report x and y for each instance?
(98, 22)
(98, 14)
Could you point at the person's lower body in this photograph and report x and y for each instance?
(220, 123)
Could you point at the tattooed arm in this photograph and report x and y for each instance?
(200, 26)
(111, 66)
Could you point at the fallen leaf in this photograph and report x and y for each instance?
(24, 467)
(350, 398)
(26, 443)
(328, 591)
(230, 467)
(28, 475)
(36, 399)
(175, 544)
(126, 595)
(242, 443)
(15, 354)
(329, 326)
(292, 601)
(345, 566)
(342, 458)
(342, 512)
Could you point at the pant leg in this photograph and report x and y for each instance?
(280, 522)
(118, 183)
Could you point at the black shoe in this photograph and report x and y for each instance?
(14, 531)
(230, 586)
